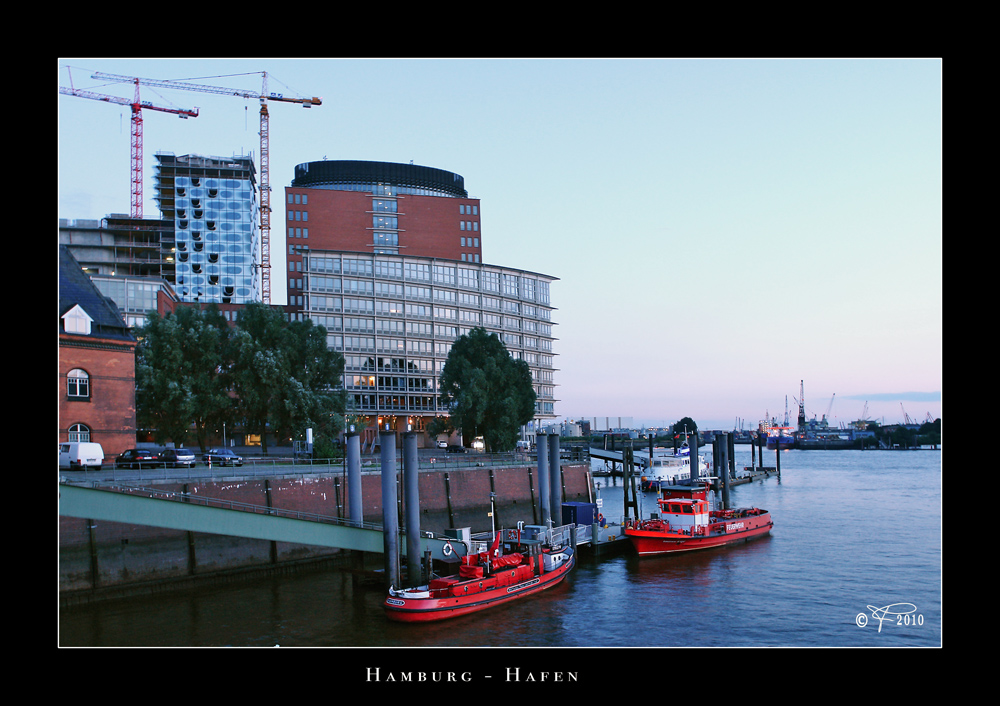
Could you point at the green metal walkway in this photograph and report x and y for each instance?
(180, 511)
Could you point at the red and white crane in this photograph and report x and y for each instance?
(137, 107)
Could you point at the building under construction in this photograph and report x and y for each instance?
(205, 244)
(212, 203)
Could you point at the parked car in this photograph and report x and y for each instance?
(442, 444)
(178, 458)
(137, 458)
(457, 449)
(222, 457)
(76, 455)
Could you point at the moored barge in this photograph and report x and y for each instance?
(516, 565)
(686, 523)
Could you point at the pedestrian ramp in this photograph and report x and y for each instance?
(182, 511)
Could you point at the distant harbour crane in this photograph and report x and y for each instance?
(802, 405)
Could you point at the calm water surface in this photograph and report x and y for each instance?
(855, 531)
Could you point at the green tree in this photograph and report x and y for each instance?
(284, 376)
(182, 373)
(314, 398)
(930, 433)
(440, 425)
(688, 424)
(489, 393)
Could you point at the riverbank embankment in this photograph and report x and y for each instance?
(110, 560)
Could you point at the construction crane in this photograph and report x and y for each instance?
(265, 186)
(137, 107)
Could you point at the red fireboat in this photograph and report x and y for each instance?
(512, 569)
(687, 523)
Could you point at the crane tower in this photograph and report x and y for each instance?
(265, 186)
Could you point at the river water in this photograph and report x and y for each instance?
(854, 560)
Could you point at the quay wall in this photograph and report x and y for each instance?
(109, 559)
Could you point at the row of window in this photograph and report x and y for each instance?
(390, 382)
(318, 300)
(303, 200)
(511, 285)
(423, 366)
(419, 346)
(370, 402)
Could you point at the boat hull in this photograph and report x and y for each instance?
(652, 542)
(404, 609)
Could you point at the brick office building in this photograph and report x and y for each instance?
(389, 258)
(96, 364)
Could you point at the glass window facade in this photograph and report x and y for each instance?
(391, 324)
(213, 204)
(135, 297)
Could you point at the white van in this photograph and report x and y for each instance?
(75, 455)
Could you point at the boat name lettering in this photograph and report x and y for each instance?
(393, 601)
(519, 586)
(734, 526)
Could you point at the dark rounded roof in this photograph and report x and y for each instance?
(313, 174)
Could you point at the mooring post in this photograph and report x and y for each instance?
(724, 444)
(544, 484)
(411, 477)
(555, 480)
(693, 457)
(631, 499)
(390, 521)
(777, 460)
(354, 506)
(732, 455)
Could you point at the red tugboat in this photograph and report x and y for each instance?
(513, 569)
(686, 523)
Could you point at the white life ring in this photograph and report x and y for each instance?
(447, 550)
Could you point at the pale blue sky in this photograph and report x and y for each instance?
(721, 229)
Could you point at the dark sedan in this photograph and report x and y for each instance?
(138, 458)
(222, 457)
(178, 458)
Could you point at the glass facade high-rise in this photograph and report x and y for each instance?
(212, 202)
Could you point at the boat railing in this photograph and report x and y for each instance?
(561, 535)
(480, 541)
